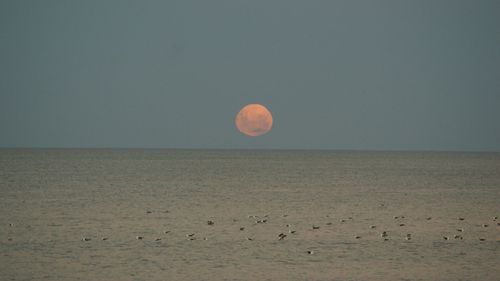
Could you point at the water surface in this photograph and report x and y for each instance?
(51, 199)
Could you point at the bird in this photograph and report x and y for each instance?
(428, 218)
(485, 225)
(104, 238)
(242, 228)
(210, 222)
(249, 238)
(86, 239)
(372, 226)
(315, 227)
(482, 239)
(166, 231)
(461, 218)
(310, 252)
(401, 224)
(139, 237)
(157, 239)
(445, 237)
(281, 236)
(292, 231)
(357, 237)
(460, 229)
(384, 234)
(190, 235)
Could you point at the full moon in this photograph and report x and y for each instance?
(254, 120)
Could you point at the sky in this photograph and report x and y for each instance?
(347, 75)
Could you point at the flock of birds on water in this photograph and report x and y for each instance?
(281, 236)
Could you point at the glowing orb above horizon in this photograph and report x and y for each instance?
(254, 120)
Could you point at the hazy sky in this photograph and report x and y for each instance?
(384, 75)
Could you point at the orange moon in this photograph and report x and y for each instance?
(254, 120)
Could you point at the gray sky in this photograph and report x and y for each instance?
(382, 75)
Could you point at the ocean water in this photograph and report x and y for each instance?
(338, 204)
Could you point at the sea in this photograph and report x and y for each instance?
(169, 214)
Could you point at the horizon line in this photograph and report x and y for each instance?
(243, 149)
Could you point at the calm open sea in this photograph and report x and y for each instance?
(333, 207)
